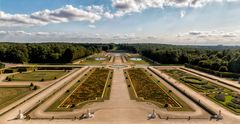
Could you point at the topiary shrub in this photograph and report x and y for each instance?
(73, 105)
(9, 79)
(166, 105)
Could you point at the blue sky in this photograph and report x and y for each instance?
(158, 21)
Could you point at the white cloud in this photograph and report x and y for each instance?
(65, 14)
(210, 37)
(92, 26)
(189, 38)
(95, 12)
(128, 6)
(182, 13)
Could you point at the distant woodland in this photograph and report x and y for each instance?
(219, 60)
(47, 52)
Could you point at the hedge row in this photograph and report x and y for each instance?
(236, 106)
(216, 73)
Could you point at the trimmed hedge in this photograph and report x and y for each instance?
(8, 71)
(216, 73)
(235, 106)
(22, 70)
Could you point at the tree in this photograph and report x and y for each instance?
(68, 55)
(234, 65)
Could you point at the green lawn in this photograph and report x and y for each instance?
(37, 76)
(9, 95)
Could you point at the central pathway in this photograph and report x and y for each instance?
(120, 107)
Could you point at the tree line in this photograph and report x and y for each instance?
(48, 52)
(217, 58)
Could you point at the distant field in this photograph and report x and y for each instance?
(9, 94)
(219, 94)
(147, 88)
(92, 87)
(36, 76)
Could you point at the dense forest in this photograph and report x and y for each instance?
(212, 59)
(48, 52)
(219, 60)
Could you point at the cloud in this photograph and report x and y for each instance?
(95, 13)
(92, 26)
(129, 6)
(213, 37)
(182, 13)
(65, 14)
(189, 38)
(212, 34)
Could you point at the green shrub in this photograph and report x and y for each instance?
(166, 105)
(9, 79)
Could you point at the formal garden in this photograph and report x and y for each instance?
(144, 87)
(219, 94)
(95, 86)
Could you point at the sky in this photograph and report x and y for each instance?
(181, 22)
